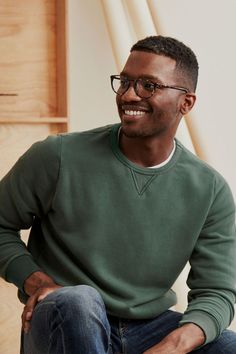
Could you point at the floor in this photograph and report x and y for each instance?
(10, 319)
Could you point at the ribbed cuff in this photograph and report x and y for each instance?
(205, 321)
(19, 269)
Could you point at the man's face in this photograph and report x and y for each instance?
(158, 115)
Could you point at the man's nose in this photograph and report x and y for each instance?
(130, 95)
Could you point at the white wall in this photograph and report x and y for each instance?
(208, 27)
(91, 62)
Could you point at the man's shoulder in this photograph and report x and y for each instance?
(55, 144)
(198, 167)
(87, 134)
(89, 145)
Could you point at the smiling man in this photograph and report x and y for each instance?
(151, 118)
(115, 214)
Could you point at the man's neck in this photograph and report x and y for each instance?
(146, 152)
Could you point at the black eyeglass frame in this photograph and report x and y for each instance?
(156, 86)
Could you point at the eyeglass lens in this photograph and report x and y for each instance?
(143, 88)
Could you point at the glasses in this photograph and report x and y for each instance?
(144, 88)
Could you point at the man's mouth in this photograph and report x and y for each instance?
(134, 113)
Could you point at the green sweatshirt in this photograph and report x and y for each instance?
(128, 231)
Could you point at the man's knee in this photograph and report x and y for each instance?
(64, 319)
(67, 305)
(81, 294)
(79, 299)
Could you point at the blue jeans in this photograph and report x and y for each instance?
(73, 320)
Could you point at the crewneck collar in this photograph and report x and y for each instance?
(164, 166)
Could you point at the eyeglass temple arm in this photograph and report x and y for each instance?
(173, 87)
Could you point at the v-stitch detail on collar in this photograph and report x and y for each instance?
(142, 181)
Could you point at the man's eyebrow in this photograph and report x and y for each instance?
(149, 77)
(123, 73)
(152, 78)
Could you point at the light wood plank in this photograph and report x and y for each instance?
(61, 53)
(28, 68)
(19, 120)
(28, 57)
(16, 139)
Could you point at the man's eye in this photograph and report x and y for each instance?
(148, 85)
(124, 82)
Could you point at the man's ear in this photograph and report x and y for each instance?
(187, 103)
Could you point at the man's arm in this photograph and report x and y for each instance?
(212, 276)
(26, 194)
(37, 286)
(36, 281)
(181, 341)
(211, 279)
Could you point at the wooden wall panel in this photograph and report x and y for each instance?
(28, 58)
(32, 38)
(15, 139)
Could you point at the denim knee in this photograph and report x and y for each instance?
(70, 320)
(80, 299)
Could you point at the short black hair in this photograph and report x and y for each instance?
(186, 61)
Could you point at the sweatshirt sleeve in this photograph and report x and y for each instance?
(212, 276)
(26, 193)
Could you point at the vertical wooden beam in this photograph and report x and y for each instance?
(61, 61)
(118, 29)
(141, 18)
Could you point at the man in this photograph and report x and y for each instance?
(116, 212)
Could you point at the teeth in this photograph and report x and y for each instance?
(134, 113)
